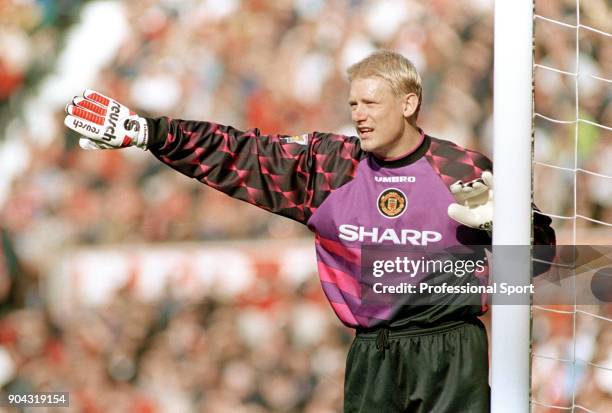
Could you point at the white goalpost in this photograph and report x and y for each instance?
(512, 157)
(514, 115)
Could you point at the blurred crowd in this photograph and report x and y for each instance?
(274, 350)
(278, 66)
(558, 338)
(586, 146)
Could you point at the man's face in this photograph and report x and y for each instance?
(379, 116)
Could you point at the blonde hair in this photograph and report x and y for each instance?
(398, 71)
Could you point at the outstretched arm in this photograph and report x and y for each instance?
(287, 175)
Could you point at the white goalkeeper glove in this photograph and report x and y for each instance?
(105, 123)
(474, 206)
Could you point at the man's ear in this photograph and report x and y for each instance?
(410, 104)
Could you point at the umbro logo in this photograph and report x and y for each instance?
(395, 179)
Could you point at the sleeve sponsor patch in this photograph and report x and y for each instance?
(299, 139)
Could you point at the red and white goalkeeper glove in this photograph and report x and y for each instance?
(474, 206)
(105, 123)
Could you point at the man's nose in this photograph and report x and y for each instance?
(358, 114)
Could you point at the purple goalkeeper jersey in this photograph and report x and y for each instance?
(395, 206)
(347, 197)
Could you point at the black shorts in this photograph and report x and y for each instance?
(442, 369)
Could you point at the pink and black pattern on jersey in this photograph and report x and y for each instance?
(345, 235)
(349, 199)
(290, 176)
(453, 163)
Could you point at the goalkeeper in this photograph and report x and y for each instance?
(392, 179)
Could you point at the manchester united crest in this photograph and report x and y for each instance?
(392, 203)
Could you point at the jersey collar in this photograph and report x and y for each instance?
(410, 157)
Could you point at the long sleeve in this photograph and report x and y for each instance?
(286, 175)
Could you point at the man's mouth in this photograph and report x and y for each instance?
(364, 130)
